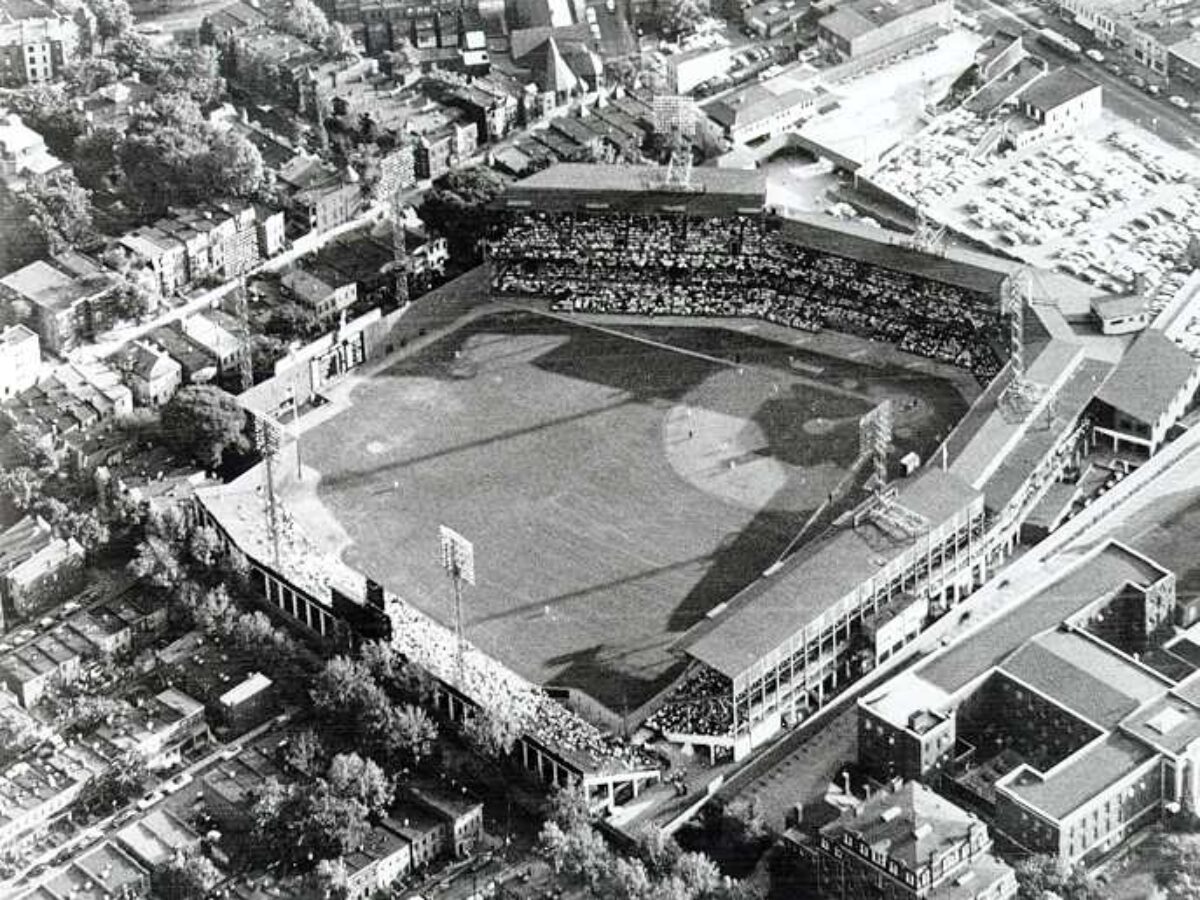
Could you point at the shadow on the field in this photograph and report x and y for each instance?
(739, 560)
(370, 475)
(545, 608)
(605, 676)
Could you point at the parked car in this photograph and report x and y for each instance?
(1094, 55)
(1176, 100)
(1138, 82)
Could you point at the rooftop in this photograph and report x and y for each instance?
(1079, 778)
(776, 607)
(858, 17)
(1097, 575)
(910, 825)
(1058, 87)
(1084, 676)
(637, 188)
(1148, 378)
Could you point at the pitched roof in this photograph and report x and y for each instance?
(554, 74)
(910, 825)
(1148, 378)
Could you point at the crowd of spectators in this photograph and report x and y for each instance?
(432, 646)
(739, 266)
(701, 704)
(494, 687)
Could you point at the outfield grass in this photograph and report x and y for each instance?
(615, 490)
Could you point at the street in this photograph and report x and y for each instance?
(1155, 114)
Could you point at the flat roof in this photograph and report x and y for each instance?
(1170, 723)
(776, 607)
(1096, 575)
(956, 266)
(1058, 87)
(1079, 778)
(576, 186)
(1080, 674)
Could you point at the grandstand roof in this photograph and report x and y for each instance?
(578, 186)
(1148, 378)
(955, 266)
(774, 608)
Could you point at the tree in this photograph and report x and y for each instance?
(205, 422)
(568, 808)
(302, 18)
(22, 485)
(233, 165)
(186, 875)
(206, 547)
(494, 732)
(157, 560)
(458, 207)
(360, 779)
(1039, 875)
(117, 785)
(658, 850)
(305, 752)
(325, 826)
(50, 111)
(216, 614)
(338, 42)
(408, 733)
(629, 880)
(113, 18)
(90, 73)
(683, 16)
(61, 209)
(580, 852)
(698, 873)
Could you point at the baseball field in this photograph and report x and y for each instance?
(616, 486)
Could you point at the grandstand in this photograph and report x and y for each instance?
(605, 239)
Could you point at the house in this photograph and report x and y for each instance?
(151, 373)
(66, 296)
(384, 856)
(323, 292)
(905, 843)
(316, 196)
(691, 68)
(162, 253)
(36, 43)
(774, 17)
(20, 359)
(760, 110)
(248, 703)
(23, 153)
(37, 568)
(1120, 315)
(1061, 102)
(1146, 394)
(460, 814)
(859, 28)
(34, 791)
(197, 365)
(157, 837)
(223, 346)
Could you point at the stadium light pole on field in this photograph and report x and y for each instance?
(458, 559)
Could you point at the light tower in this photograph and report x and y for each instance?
(399, 245)
(675, 116)
(458, 561)
(929, 237)
(875, 441)
(241, 299)
(1021, 395)
(266, 438)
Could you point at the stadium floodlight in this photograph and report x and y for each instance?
(458, 560)
(1021, 395)
(676, 117)
(267, 440)
(875, 440)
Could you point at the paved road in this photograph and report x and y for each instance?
(1155, 114)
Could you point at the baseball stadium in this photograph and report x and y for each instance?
(714, 465)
